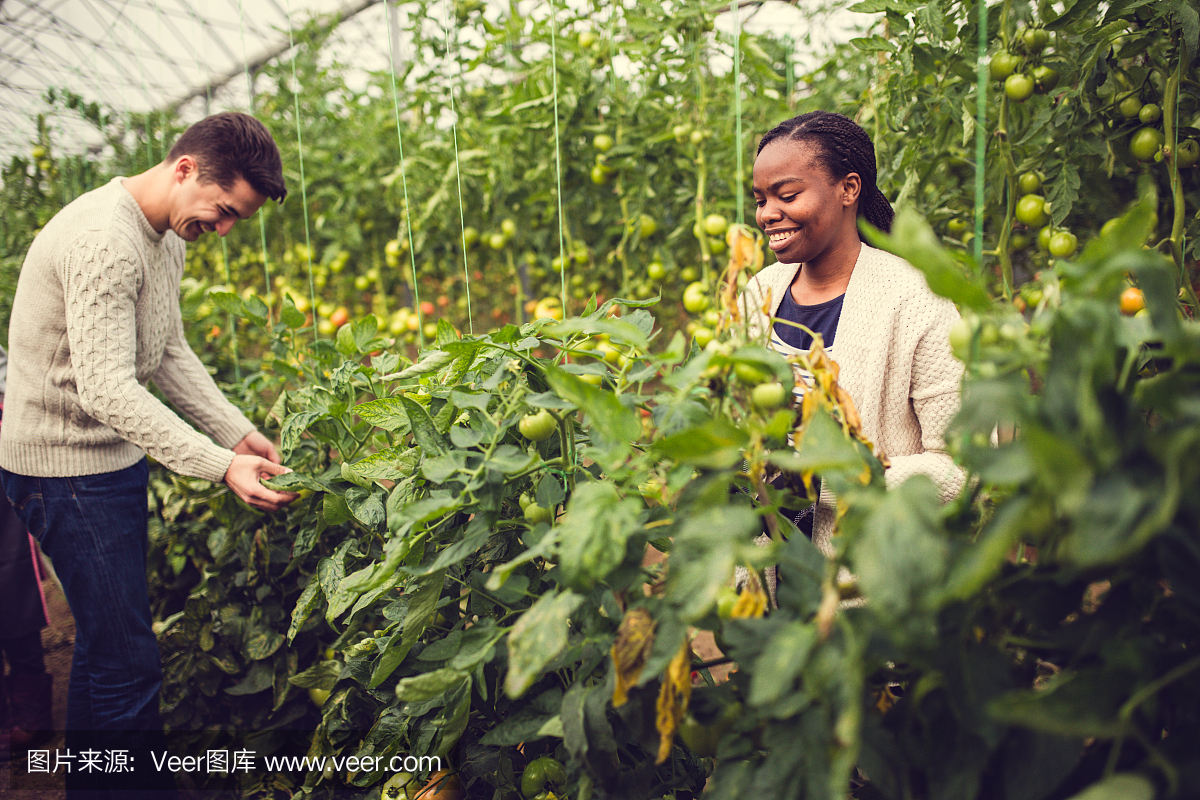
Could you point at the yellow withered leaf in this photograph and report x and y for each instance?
(630, 651)
(751, 601)
(673, 699)
(745, 247)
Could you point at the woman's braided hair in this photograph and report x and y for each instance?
(842, 147)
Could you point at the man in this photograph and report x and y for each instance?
(95, 317)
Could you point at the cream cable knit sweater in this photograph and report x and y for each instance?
(96, 316)
(895, 361)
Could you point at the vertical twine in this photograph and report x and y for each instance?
(312, 287)
(462, 222)
(562, 247)
(981, 68)
(412, 256)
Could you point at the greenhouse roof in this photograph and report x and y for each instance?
(141, 56)
(146, 56)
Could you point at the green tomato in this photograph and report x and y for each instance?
(603, 142)
(600, 174)
(1045, 234)
(538, 773)
(1149, 114)
(715, 224)
(508, 228)
(1018, 87)
(703, 336)
(1035, 39)
(497, 241)
(681, 132)
(1187, 154)
(1031, 210)
(1044, 78)
(1029, 182)
(688, 274)
(656, 272)
(1003, 64)
(960, 339)
(535, 514)
(1018, 242)
(587, 39)
(400, 786)
(695, 297)
(956, 225)
(647, 226)
(726, 599)
(1145, 143)
(538, 426)
(750, 374)
(1063, 244)
(702, 740)
(1130, 107)
(768, 396)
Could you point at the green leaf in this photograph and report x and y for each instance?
(366, 505)
(424, 593)
(309, 600)
(476, 535)
(717, 444)
(1122, 786)
(509, 459)
(429, 685)
(432, 362)
(600, 522)
(897, 554)
(781, 662)
(914, 240)
(618, 330)
(290, 315)
(258, 679)
(321, 675)
(537, 638)
(335, 510)
(424, 431)
(294, 428)
(393, 464)
(404, 516)
(613, 421)
(386, 412)
(873, 44)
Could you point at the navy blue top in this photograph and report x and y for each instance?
(821, 318)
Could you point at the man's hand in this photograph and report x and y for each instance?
(255, 444)
(243, 478)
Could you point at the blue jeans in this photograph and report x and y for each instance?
(94, 529)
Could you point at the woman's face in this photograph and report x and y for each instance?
(804, 213)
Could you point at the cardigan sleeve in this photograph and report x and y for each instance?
(934, 395)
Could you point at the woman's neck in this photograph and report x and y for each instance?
(821, 280)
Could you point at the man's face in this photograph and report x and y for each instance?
(202, 207)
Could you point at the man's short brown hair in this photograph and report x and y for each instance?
(232, 145)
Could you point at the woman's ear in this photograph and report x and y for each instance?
(851, 188)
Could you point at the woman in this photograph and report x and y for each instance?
(814, 176)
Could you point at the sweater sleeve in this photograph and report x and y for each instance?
(934, 394)
(101, 288)
(183, 379)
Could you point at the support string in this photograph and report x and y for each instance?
(412, 256)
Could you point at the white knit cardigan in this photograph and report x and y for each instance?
(893, 351)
